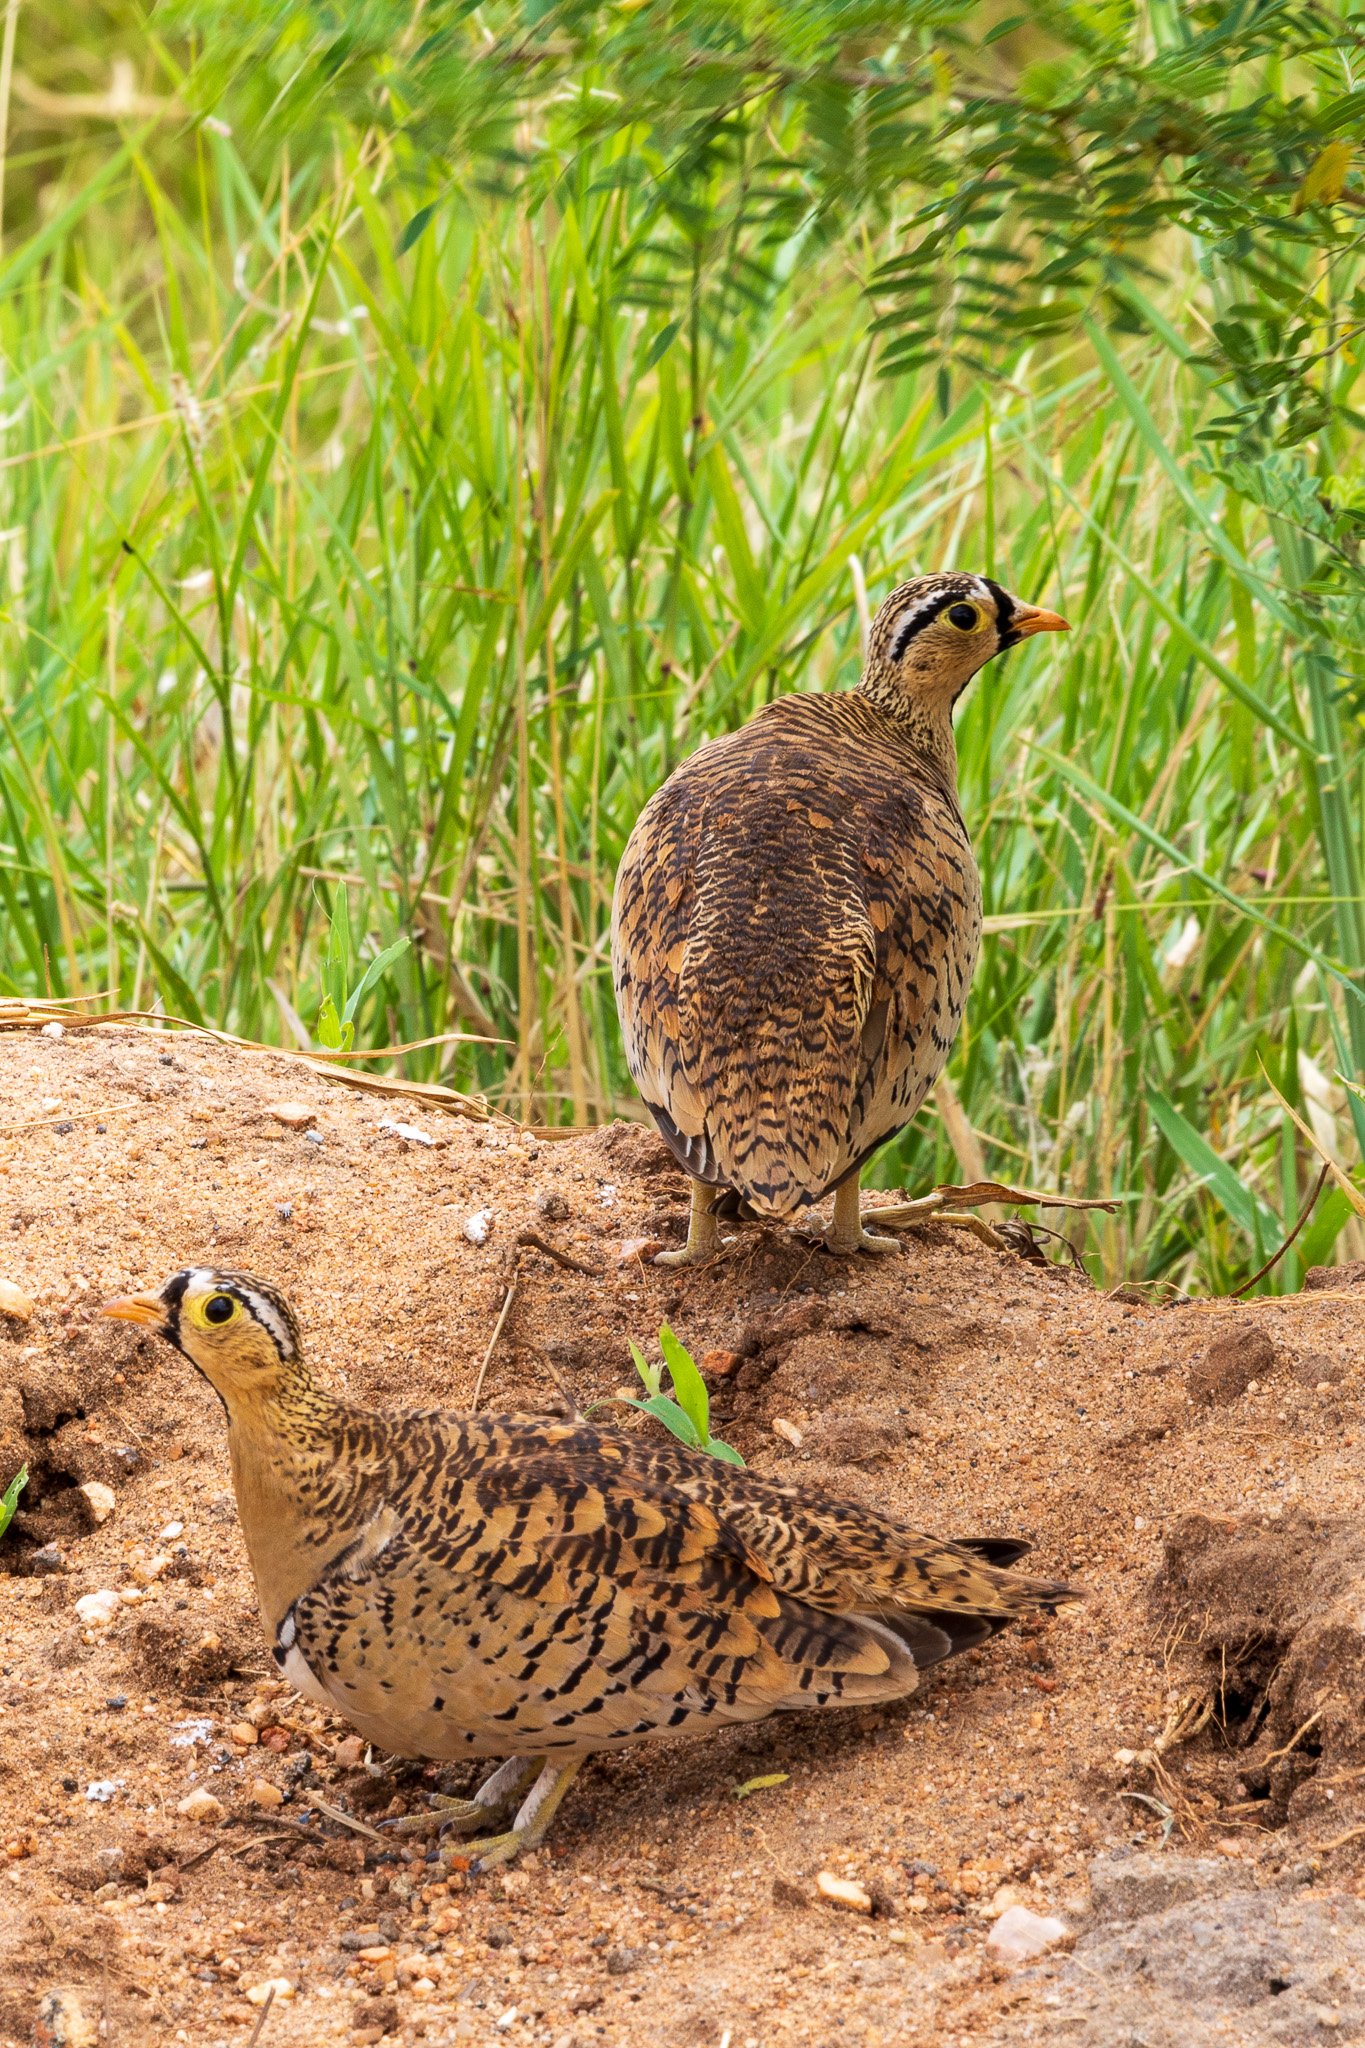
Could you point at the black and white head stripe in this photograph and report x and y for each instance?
(928, 596)
(260, 1301)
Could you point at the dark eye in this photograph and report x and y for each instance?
(219, 1308)
(963, 615)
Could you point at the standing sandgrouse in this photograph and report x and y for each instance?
(797, 917)
(503, 1585)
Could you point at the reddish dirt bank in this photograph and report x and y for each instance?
(1196, 1468)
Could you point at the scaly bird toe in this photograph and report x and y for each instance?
(846, 1234)
(865, 1241)
(537, 1811)
(686, 1255)
(442, 1814)
(703, 1232)
(489, 1851)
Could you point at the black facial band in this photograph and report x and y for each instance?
(925, 616)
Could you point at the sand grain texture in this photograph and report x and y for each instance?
(966, 1390)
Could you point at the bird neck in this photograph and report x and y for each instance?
(925, 722)
(303, 1465)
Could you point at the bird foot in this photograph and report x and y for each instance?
(499, 1791)
(703, 1232)
(689, 1255)
(491, 1850)
(533, 1819)
(446, 1813)
(844, 1247)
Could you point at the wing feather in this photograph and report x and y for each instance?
(570, 1588)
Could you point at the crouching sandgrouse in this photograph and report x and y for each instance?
(506, 1585)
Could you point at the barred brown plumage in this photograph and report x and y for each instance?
(797, 916)
(479, 1585)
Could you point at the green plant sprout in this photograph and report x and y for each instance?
(10, 1499)
(336, 1016)
(688, 1413)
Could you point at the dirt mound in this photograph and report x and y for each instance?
(181, 1831)
(1276, 1608)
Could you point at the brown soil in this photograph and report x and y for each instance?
(1209, 1501)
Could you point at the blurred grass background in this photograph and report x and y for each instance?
(374, 541)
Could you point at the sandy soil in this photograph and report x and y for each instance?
(1197, 1468)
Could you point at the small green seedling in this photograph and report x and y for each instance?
(336, 1016)
(10, 1499)
(688, 1413)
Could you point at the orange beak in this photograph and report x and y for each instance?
(1031, 618)
(137, 1308)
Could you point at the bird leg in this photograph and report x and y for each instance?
(503, 1788)
(703, 1231)
(845, 1234)
(531, 1824)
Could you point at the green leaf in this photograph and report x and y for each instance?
(670, 1414)
(662, 341)
(373, 973)
(10, 1500)
(688, 1385)
(338, 970)
(1246, 1209)
(415, 227)
(652, 1375)
(727, 1453)
(330, 1031)
(1334, 1212)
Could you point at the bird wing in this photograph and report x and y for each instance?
(652, 912)
(922, 893)
(564, 1589)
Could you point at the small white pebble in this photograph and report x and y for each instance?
(788, 1431)
(102, 1790)
(475, 1227)
(843, 1891)
(15, 1303)
(409, 1133)
(171, 1531)
(1019, 1935)
(187, 1733)
(54, 1030)
(51, 1104)
(99, 1500)
(97, 1610)
(606, 1193)
(281, 1986)
(201, 1805)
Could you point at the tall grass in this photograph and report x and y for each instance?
(343, 564)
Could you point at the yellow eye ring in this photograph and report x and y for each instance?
(966, 617)
(212, 1311)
